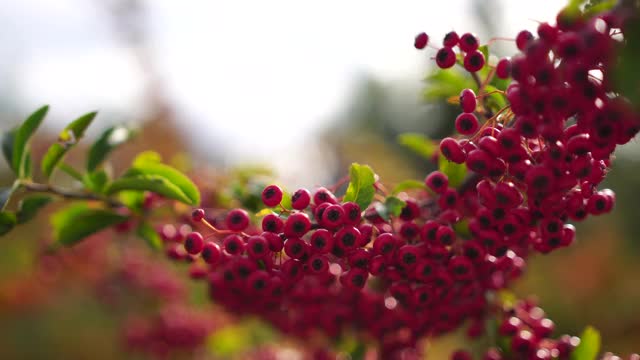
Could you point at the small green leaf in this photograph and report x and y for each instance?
(22, 136)
(409, 185)
(153, 183)
(496, 101)
(484, 49)
(419, 143)
(134, 200)
(392, 206)
(109, 140)
(173, 176)
(69, 170)
(446, 83)
(96, 181)
(76, 222)
(7, 222)
(26, 166)
(589, 345)
(455, 172)
(360, 189)
(151, 236)
(8, 139)
(29, 206)
(67, 139)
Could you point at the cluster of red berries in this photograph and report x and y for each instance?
(473, 59)
(328, 265)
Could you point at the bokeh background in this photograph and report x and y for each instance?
(298, 87)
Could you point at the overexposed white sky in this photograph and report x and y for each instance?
(261, 75)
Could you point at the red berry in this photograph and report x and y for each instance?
(522, 39)
(272, 195)
(237, 220)
(437, 181)
(300, 199)
(474, 61)
(257, 247)
(297, 225)
(211, 253)
(468, 42)
(503, 69)
(272, 223)
(468, 100)
(452, 150)
(445, 58)
(467, 123)
(421, 41)
(197, 215)
(233, 244)
(450, 39)
(194, 243)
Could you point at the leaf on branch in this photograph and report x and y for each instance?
(148, 233)
(153, 183)
(67, 139)
(409, 185)
(360, 189)
(21, 140)
(418, 143)
(392, 206)
(8, 139)
(7, 222)
(589, 345)
(455, 172)
(76, 222)
(141, 167)
(29, 207)
(107, 142)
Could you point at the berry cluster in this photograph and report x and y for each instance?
(327, 264)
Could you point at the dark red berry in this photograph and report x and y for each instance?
(523, 38)
(503, 69)
(437, 181)
(445, 58)
(237, 220)
(421, 41)
(468, 100)
(467, 123)
(450, 39)
(468, 42)
(257, 247)
(297, 225)
(300, 199)
(474, 61)
(272, 223)
(194, 243)
(272, 195)
(452, 150)
(211, 253)
(323, 195)
(197, 215)
(233, 244)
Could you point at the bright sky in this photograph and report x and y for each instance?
(263, 75)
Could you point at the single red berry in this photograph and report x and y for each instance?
(437, 181)
(233, 244)
(194, 243)
(295, 247)
(272, 195)
(211, 253)
(474, 61)
(523, 38)
(197, 215)
(503, 69)
(347, 238)
(468, 42)
(452, 150)
(321, 241)
(297, 225)
(318, 264)
(410, 211)
(450, 39)
(352, 213)
(333, 216)
(323, 195)
(421, 41)
(468, 100)
(467, 123)
(385, 244)
(237, 220)
(257, 247)
(445, 58)
(300, 199)
(461, 355)
(275, 241)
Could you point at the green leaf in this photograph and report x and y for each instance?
(109, 140)
(96, 181)
(446, 83)
(392, 206)
(418, 143)
(589, 345)
(29, 207)
(26, 166)
(360, 189)
(8, 139)
(153, 183)
(151, 236)
(496, 101)
(67, 139)
(69, 170)
(409, 185)
(7, 222)
(76, 222)
(455, 172)
(134, 200)
(484, 49)
(22, 136)
(173, 176)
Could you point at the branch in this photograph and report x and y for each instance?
(43, 188)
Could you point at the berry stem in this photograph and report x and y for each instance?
(222, 232)
(50, 189)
